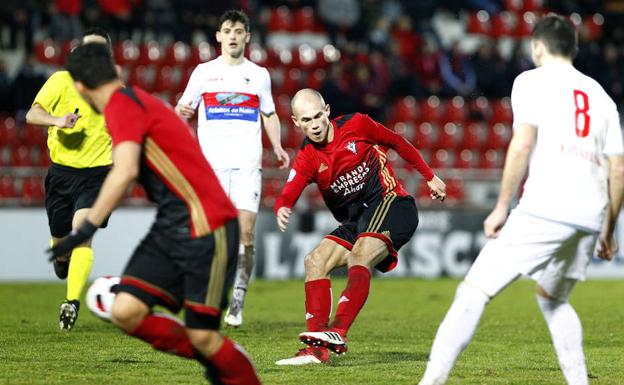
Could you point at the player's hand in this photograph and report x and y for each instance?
(73, 240)
(283, 214)
(185, 111)
(282, 157)
(495, 221)
(438, 188)
(607, 246)
(67, 121)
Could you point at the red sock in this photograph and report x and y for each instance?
(352, 298)
(318, 302)
(165, 333)
(231, 366)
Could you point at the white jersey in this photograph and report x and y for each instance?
(577, 128)
(230, 100)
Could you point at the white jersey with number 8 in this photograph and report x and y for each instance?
(577, 128)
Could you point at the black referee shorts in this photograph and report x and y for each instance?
(68, 190)
(393, 220)
(176, 271)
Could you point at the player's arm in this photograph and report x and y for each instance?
(190, 97)
(271, 125)
(388, 138)
(516, 164)
(607, 246)
(297, 180)
(37, 115)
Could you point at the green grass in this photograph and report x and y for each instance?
(388, 344)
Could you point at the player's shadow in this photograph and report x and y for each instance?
(381, 357)
(131, 361)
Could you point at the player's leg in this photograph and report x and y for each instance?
(319, 263)
(244, 268)
(59, 209)
(553, 289)
(244, 187)
(525, 244)
(209, 274)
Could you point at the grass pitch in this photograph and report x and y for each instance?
(388, 343)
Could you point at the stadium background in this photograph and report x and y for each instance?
(438, 72)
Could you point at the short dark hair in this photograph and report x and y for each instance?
(91, 64)
(234, 16)
(558, 35)
(100, 32)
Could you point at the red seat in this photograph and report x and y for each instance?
(432, 109)
(479, 23)
(304, 56)
(492, 159)
(304, 20)
(474, 136)
(178, 53)
(426, 135)
(501, 111)
(480, 108)
(592, 26)
(454, 191)
(7, 187)
(142, 76)
(47, 52)
(525, 25)
(9, 134)
(151, 53)
(449, 137)
(35, 135)
(32, 191)
(257, 54)
(167, 79)
(504, 24)
(456, 110)
(202, 53)
(514, 5)
(292, 81)
(533, 5)
(467, 159)
(499, 136)
(21, 157)
(405, 129)
(442, 158)
(405, 109)
(317, 78)
(126, 53)
(138, 191)
(280, 19)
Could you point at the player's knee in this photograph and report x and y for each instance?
(247, 237)
(127, 314)
(315, 264)
(206, 341)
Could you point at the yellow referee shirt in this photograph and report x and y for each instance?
(88, 143)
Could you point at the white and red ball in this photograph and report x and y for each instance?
(101, 295)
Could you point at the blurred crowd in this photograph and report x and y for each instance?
(389, 48)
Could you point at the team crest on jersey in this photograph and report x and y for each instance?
(322, 168)
(351, 147)
(247, 80)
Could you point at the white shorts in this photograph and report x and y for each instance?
(242, 186)
(554, 254)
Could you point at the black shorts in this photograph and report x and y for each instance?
(175, 272)
(68, 190)
(393, 219)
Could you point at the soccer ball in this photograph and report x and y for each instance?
(101, 295)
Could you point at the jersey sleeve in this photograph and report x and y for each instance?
(299, 177)
(267, 106)
(50, 93)
(192, 92)
(522, 101)
(125, 119)
(382, 135)
(613, 141)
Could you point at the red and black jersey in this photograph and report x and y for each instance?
(174, 172)
(352, 170)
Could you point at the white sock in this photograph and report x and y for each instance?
(243, 274)
(567, 336)
(454, 333)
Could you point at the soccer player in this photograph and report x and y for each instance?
(233, 95)
(187, 259)
(345, 157)
(567, 132)
(80, 150)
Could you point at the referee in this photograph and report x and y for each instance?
(80, 150)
